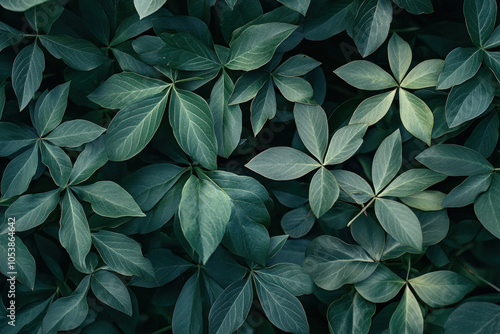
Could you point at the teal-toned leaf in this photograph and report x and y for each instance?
(20, 5)
(300, 6)
(312, 126)
(294, 89)
(298, 222)
(373, 109)
(369, 235)
(27, 73)
(333, 263)
(474, 317)
(67, 313)
(345, 143)
(43, 16)
(325, 21)
(75, 133)
(460, 65)
(256, 45)
(407, 318)
(247, 86)
(399, 56)
(32, 210)
(416, 6)
(74, 233)
(435, 225)
(193, 126)
(25, 266)
(147, 7)
(480, 17)
(484, 137)
(289, 276)
(188, 312)
(78, 54)
(57, 161)
(323, 192)
(263, 107)
(17, 175)
(231, 308)
(108, 199)
(387, 161)
(91, 159)
(9, 35)
(494, 39)
(424, 75)
(350, 314)
(282, 163)
(411, 182)
(454, 160)
(354, 186)
(2, 99)
(124, 88)
(381, 286)
(428, 200)
(134, 126)
(204, 212)
(400, 222)
(416, 116)
(122, 254)
(297, 65)
(371, 25)
(466, 192)
(50, 109)
(282, 308)
(487, 209)
(276, 244)
(110, 290)
(365, 75)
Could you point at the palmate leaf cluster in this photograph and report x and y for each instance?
(250, 166)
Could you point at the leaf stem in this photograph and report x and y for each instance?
(163, 330)
(362, 211)
(409, 268)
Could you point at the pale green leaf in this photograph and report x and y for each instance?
(312, 126)
(460, 65)
(424, 75)
(411, 182)
(387, 161)
(407, 318)
(416, 116)
(373, 109)
(345, 143)
(381, 286)
(365, 75)
(399, 56)
(323, 192)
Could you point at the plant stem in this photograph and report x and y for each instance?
(477, 275)
(409, 268)
(163, 330)
(361, 212)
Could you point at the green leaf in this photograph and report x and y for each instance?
(416, 116)
(399, 56)
(27, 73)
(32, 210)
(18, 174)
(470, 99)
(78, 54)
(50, 109)
(57, 161)
(480, 19)
(300, 6)
(381, 286)
(373, 109)
(282, 163)
(110, 290)
(345, 143)
(325, 21)
(25, 266)
(124, 88)
(400, 222)
(122, 254)
(68, 313)
(231, 308)
(204, 212)
(20, 5)
(323, 192)
(75, 133)
(494, 39)
(387, 161)
(263, 107)
(435, 225)
(188, 312)
(454, 160)
(108, 199)
(333, 263)
(312, 126)
(474, 317)
(460, 65)
(487, 209)
(297, 66)
(407, 318)
(371, 25)
(147, 7)
(429, 200)
(369, 235)
(294, 89)
(193, 126)
(74, 233)
(43, 16)
(134, 126)
(9, 35)
(350, 314)
(255, 46)
(354, 186)
(282, 308)
(288, 276)
(466, 192)
(247, 86)
(298, 222)
(484, 137)
(411, 182)
(424, 75)
(365, 75)
(227, 118)
(416, 6)
(90, 159)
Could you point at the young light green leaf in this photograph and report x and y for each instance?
(78, 54)
(373, 109)
(460, 65)
(282, 163)
(480, 17)
(466, 192)
(387, 161)
(255, 46)
(193, 126)
(312, 126)
(297, 66)
(108, 199)
(333, 263)
(231, 308)
(487, 209)
(416, 116)
(147, 7)
(454, 160)
(263, 107)
(365, 75)
(407, 318)
(424, 75)
(27, 73)
(350, 314)
(428, 200)
(416, 7)
(400, 222)
(247, 86)
(288, 276)
(124, 88)
(57, 161)
(123, 254)
(91, 159)
(345, 142)
(399, 56)
(134, 126)
(188, 312)
(25, 263)
(354, 185)
(323, 192)
(50, 109)
(381, 286)
(411, 182)
(75, 133)
(294, 89)
(204, 212)
(17, 175)
(110, 290)
(20, 5)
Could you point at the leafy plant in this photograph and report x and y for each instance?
(221, 166)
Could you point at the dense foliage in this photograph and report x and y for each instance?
(259, 166)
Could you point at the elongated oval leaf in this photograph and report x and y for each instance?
(411, 182)
(20, 5)
(57, 161)
(460, 65)
(381, 286)
(373, 109)
(323, 192)
(294, 89)
(147, 7)
(110, 290)
(424, 75)
(188, 312)
(18, 174)
(487, 209)
(399, 56)
(25, 266)
(27, 73)
(387, 161)
(474, 317)
(312, 126)
(49, 111)
(365, 75)
(416, 116)
(466, 192)
(480, 17)
(344, 143)
(407, 318)
(289, 276)
(13, 138)
(350, 314)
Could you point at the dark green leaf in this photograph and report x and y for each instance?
(354, 186)
(9, 35)
(484, 137)
(300, 6)
(27, 73)
(50, 109)
(467, 192)
(25, 266)
(188, 312)
(18, 174)
(474, 318)
(57, 161)
(247, 87)
(460, 65)
(350, 314)
(387, 161)
(263, 107)
(20, 5)
(110, 290)
(480, 18)
(294, 89)
(487, 209)
(75, 133)
(91, 159)
(289, 276)
(297, 65)
(416, 6)
(298, 222)
(323, 192)
(381, 286)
